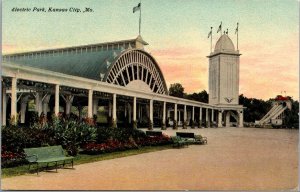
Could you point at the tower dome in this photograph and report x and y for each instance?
(224, 44)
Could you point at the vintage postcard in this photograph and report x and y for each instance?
(150, 95)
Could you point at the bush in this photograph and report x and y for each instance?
(185, 123)
(108, 146)
(15, 139)
(175, 125)
(199, 123)
(10, 159)
(192, 124)
(72, 134)
(150, 125)
(116, 145)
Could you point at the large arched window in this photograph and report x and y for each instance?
(135, 68)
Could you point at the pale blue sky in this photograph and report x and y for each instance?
(267, 27)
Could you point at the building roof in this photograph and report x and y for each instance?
(88, 61)
(224, 44)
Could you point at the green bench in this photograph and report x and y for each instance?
(192, 138)
(178, 142)
(46, 155)
(154, 133)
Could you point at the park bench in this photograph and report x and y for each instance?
(153, 133)
(46, 155)
(178, 142)
(192, 138)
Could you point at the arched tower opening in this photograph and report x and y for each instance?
(137, 69)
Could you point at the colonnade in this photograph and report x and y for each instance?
(42, 105)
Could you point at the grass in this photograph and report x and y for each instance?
(83, 158)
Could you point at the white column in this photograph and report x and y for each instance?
(212, 115)
(207, 123)
(90, 104)
(24, 101)
(220, 118)
(139, 111)
(175, 112)
(147, 111)
(46, 104)
(134, 108)
(200, 117)
(38, 103)
(56, 107)
(129, 112)
(184, 114)
(151, 110)
(115, 107)
(164, 113)
(193, 113)
(200, 113)
(95, 106)
(109, 109)
(69, 101)
(4, 105)
(241, 118)
(179, 116)
(14, 99)
(227, 119)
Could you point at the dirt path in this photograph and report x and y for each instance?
(234, 159)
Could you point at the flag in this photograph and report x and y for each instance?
(237, 28)
(137, 8)
(209, 34)
(220, 28)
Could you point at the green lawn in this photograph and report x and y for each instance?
(82, 158)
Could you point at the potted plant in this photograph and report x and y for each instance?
(175, 125)
(114, 123)
(134, 125)
(185, 123)
(192, 124)
(163, 125)
(199, 124)
(150, 127)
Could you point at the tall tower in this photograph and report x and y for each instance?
(224, 73)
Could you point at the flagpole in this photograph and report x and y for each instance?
(140, 21)
(221, 29)
(237, 36)
(211, 39)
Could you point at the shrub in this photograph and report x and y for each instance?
(150, 125)
(200, 123)
(185, 123)
(114, 123)
(32, 117)
(14, 138)
(192, 124)
(72, 134)
(10, 159)
(175, 125)
(134, 125)
(108, 146)
(157, 140)
(112, 145)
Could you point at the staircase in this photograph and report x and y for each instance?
(275, 111)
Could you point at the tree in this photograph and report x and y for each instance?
(201, 96)
(176, 90)
(291, 118)
(255, 108)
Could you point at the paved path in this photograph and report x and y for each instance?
(234, 159)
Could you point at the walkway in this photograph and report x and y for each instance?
(235, 158)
